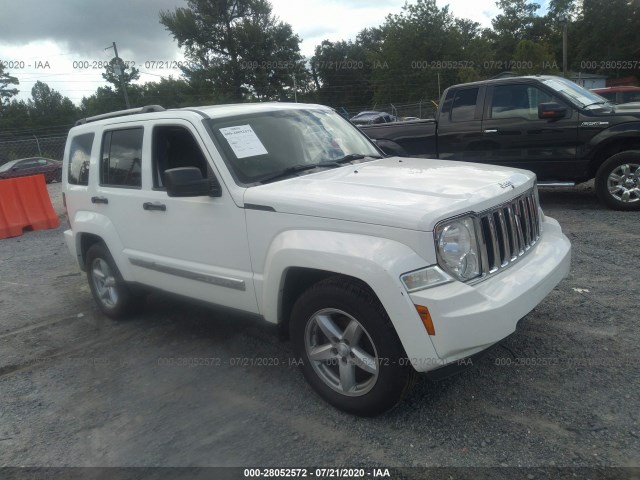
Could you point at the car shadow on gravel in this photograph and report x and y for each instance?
(188, 318)
(582, 197)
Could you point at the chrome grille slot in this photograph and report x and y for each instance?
(508, 232)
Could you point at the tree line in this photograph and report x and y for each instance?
(239, 51)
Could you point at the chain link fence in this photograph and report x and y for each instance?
(52, 146)
(422, 109)
(43, 146)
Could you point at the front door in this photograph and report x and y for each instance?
(514, 136)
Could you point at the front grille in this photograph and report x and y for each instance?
(508, 232)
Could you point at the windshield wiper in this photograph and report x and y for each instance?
(595, 103)
(347, 158)
(301, 167)
(310, 166)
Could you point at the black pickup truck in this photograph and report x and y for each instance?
(557, 129)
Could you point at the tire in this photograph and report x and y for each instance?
(618, 181)
(360, 370)
(108, 288)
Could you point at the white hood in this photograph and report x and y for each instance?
(413, 193)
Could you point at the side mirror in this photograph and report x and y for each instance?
(551, 110)
(186, 182)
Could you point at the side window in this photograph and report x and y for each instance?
(463, 107)
(121, 159)
(26, 164)
(446, 103)
(79, 155)
(175, 147)
(518, 101)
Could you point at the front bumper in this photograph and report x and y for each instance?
(471, 318)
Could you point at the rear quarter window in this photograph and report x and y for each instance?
(79, 156)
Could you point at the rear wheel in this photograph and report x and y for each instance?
(107, 286)
(618, 181)
(350, 352)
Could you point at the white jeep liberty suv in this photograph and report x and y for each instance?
(378, 267)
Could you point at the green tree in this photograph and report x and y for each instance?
(7, 89)
(104, 100)
(14, 115)
(341, 73)
(531, 57)
(47, 107)
(423, 49)
(606, 35)
(236, 47)
(172, 93)
(518, 21)
(112, 73)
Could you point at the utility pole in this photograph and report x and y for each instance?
(564, 20)
(119, 70)
(295, 88)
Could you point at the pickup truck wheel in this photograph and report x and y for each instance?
(350, 352)
(107, 286)
(618, 181)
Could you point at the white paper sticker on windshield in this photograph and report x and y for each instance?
(243, 141)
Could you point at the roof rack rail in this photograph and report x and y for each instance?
(121, 113)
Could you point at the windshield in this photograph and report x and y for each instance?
(7, 166)
(259, 145)
(581, 96)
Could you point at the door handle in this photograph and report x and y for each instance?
(154, 206)
(104, 200)
(491, 131)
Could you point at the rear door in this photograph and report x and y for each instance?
(460, 123)
(514, 136)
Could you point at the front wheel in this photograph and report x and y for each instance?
(618, 181)
(107, 285)
(350, 352)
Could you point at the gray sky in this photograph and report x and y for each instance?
(86, 27)
(41, 39)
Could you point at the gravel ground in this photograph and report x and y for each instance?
(78, 389)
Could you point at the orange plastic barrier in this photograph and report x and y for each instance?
(25, 205)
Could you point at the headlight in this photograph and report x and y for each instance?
(457, 248)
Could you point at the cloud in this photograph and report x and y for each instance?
(318, 20)
(64, 32)
(87, 27)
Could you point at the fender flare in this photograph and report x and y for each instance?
(86, 222)
(601, 142)
(378, 262)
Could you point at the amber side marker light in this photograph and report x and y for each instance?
(426, 319)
